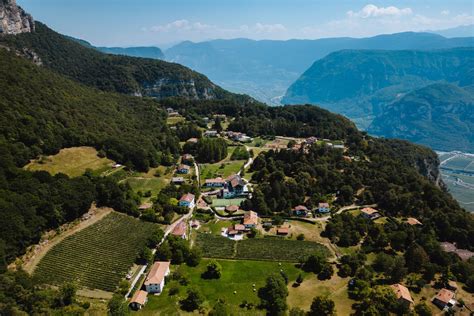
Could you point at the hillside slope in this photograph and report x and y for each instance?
(139, 76)
(265, 69)
(43, 112)
(440, 116)
(359, 83)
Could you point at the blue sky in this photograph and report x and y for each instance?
(161, 22)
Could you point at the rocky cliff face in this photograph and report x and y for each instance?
(169, 87)
(13, 19)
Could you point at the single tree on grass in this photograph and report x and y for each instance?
(273, 295)
(322, 306)
(213, 271)
(193, 300)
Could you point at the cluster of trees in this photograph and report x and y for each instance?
(240, 153)
(185, 131)
(165, 203)
(177, 251)
(20, 295)
(207, 149)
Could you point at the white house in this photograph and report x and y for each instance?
(187, 200)
(155, 280)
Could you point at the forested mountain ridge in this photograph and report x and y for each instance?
(360, 83)
(265, 69)
(439, 115)
(138, 76)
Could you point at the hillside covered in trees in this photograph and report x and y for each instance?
(130, 75)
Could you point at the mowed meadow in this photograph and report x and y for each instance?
(97, 257)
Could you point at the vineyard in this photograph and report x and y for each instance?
(97, 257)
(274, 249)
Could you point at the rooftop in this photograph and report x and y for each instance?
(413, 221)
(250, 218)
(139, 297)
(157, 272)
(179, 229)
(444, 295)
(188, 197)
(402, 292)
(369, 211)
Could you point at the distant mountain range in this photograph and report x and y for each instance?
(460, 31)
(440, 115)
(265, 69)
(359, 83)
(152, 52)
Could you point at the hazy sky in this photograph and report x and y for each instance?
(157, 22)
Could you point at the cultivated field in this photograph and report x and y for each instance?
(71, 161)
(273, 249)
(98, 256)
(149, 181)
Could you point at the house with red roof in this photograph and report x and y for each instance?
(155, 280)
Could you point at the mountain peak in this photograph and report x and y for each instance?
(13, 19)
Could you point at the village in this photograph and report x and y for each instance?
(221, 195)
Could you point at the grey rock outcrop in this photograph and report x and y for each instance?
(13, 19)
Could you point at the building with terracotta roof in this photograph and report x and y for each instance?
(231, 208)
(234, 187)
(300, 210)
(180, 230)
(139, 299)
(250, 219)
(192, 140)
(155, 280)
(323, 208)
(413, 221)
(240, 227)
(187, 159)
(444, 299)
(183, 169)
(402, 293)
(370, 213)
(283, 231)
(187, 200)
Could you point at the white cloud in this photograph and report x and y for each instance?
(185, 29)
(372, 11)
(445, 12)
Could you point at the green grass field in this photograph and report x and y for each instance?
(71, 161)
(97, 257)
(238, 276)
(149, 182)
(173, 120)
(271, 249)
(225, 202)
(221, 169)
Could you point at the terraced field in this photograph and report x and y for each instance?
(97, 257)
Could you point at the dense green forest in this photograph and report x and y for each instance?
(42, 112)
(123, 74)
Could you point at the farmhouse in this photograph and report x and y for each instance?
(403, 294)
(323, 208)
(187, 200)
(370, 213)
(444, 299)
(177, 180)
(187, 159)
(214, 183)
(139, 299)
(300, 210)
(183, 169)
(413, 221)
(250, 219)
(180, 230)
(155, 280)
